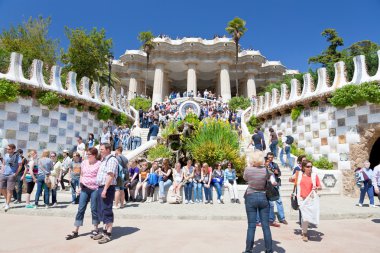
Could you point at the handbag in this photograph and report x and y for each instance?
(48, 182)
(271, 192)
(293, 196)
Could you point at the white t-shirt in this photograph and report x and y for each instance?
(81, 148)
(105, 138)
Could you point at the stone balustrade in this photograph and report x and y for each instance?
(96, 95)
(275, 102)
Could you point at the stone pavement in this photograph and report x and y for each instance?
(47, 234)
(332, 208)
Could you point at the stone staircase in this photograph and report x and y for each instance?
(144, 135)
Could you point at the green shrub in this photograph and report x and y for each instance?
(352, 94)
(65, 101)
(296, 112)
(141, 103)
(296, 151)
(9, 91)
(121, 119)
(25, 92)
(323, 164)
(104, 112)
(80, 107)
(253, 123)
(314, 103)
(50, 99)
(159, 151)
(171, 128)
(239, 103)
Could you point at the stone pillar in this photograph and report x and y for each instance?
(132, 90)
(158, 84)
(192, 78)
(251, 85)
(225, 86)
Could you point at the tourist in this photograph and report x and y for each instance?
(106, 181)
(164, 181)
(287, 141)
(366, 175)
(205, 94)
(136, 136)
(275, 169)
(105, 136)
(259, 132)
(74, 175)
(273, 142)
(152, 182)
(121, 179)
(177, 179)
(91, 140)
(66, 164)
(230, 183)
(217, 181)
(142, 182)
(134, 172)
(12, 164)
(153, 131)
(81, 147)
(116, 137)
(45, 167)
(198, 184)
(30, 175)
(307, 181)
(256, 202)
(256, 141)
(125, 138)
(55, 176)
(206, 178)
(19, 178)
(199, 94)
(188, 173)
(87, 192)
(376, 180)
(300, 160)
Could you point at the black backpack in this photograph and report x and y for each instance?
(289, 140)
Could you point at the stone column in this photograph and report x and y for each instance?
(225, 86)
(251, 85)
(132, 90)
(192, 78)
(158, 84)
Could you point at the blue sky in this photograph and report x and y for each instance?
(288, 31)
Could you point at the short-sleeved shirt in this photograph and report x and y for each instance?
(133, 171)
(81, 149)
(56, 169)
(45, 166)
(109, 164)
(256, 138)
(75, 170)
(89, 174)
(105, 137)
(11, 165)
(306, 185)
(273, 136)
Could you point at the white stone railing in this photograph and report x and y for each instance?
(96, 95)
(279, 100)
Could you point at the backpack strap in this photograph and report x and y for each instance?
(295, 182)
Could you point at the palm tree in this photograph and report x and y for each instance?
(146, 38)
(236, 28)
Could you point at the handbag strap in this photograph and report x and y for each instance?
(295, 182)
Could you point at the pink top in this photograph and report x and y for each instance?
(89, 173)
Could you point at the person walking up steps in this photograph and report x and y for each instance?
(106, 181)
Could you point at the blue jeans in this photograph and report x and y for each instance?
(85, 196)
(273, 148)
(136, 143)
(208, 193)
(198, 195)
(116, 142)
(54, 195)
(368, 188)
(188, 189)
(257, 204)
(164, 186)
(17, 194)
(74, 185)
(218, 188)
(289, 160)
(41, 185)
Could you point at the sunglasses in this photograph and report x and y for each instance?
(309, 166)
(89, 154)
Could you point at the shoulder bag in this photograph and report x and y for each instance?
(271, 192)
(293, 196)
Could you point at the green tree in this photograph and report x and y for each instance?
(146, 38)
(31, 40)
(88, 54)
(239, 102)
(236, 28)
(141, 103)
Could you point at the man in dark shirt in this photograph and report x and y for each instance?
(153, 131)
(257, 141)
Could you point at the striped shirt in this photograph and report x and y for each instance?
(109, 165)
(89, 174)
(256, 178)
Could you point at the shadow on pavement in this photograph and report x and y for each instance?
(376, 220)
(313, 235)
(260, 246)
(118, 232)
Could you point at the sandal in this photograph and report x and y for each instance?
(94, 233)
(72, 236)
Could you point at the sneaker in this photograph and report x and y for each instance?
(106, 238)
(304, 238)
(55, 204)
(46, 206)
(237, 201)
(218, 201)
(16, 202)
(358, 204)
(284, 222)
(221, 201)
(232, 201)
(191, 202)
(206, 202)
(30, 206)
(186, 202)
(6, 208)
(374, 206)
(98, 236)
(211, 202)
(115, 207)
(274, 224)
(35, 206)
